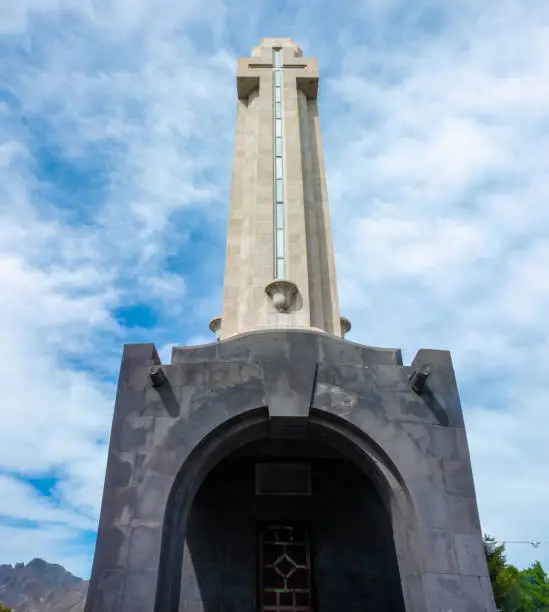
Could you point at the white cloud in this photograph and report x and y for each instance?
(439, 183)
(510, 457)
(62, 278)
(56, 544)
(31, 507)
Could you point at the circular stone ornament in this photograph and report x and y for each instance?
(215, 327)
(345, 326)
(281, 293)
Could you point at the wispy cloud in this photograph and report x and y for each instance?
(108, 166)
(116, 132)
(442, 193)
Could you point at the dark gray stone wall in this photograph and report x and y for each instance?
(285, 385)
(219, 569)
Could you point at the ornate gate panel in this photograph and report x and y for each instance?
(285, 569)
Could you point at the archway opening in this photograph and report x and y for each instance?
(289, 526)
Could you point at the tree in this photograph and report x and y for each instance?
(535, 587)
(516, 590)
(504, 577)
(4, 609)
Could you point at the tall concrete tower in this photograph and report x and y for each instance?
(280, 270)
(283, 468)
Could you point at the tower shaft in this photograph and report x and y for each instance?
(279, 223)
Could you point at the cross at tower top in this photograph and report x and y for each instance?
(267, 44)
(251, 69)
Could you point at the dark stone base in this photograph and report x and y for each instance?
(393, 511)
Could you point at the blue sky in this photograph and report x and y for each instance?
(116, 130)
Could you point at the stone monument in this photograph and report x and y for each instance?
(282, 467)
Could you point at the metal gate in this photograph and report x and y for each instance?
(285, 569)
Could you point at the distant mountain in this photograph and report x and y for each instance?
(41, 587)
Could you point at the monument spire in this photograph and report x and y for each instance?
(286, 469)
(280, 269)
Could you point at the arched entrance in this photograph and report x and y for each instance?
(323, 541)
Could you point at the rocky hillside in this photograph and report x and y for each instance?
(41, 587)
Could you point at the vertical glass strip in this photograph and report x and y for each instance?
(278, 165)
(280, 242)
(279, 268)
(280, 216)
(279, 191)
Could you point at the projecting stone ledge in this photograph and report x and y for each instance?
(215, 327)
(281, 293)
(345, 326)
(322, 347)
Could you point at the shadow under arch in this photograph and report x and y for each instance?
(325, 427)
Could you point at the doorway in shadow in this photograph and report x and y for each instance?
(352, 562)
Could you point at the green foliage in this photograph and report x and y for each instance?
(502, 576)
(4, 609)
(535, 586)
(516, 590)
